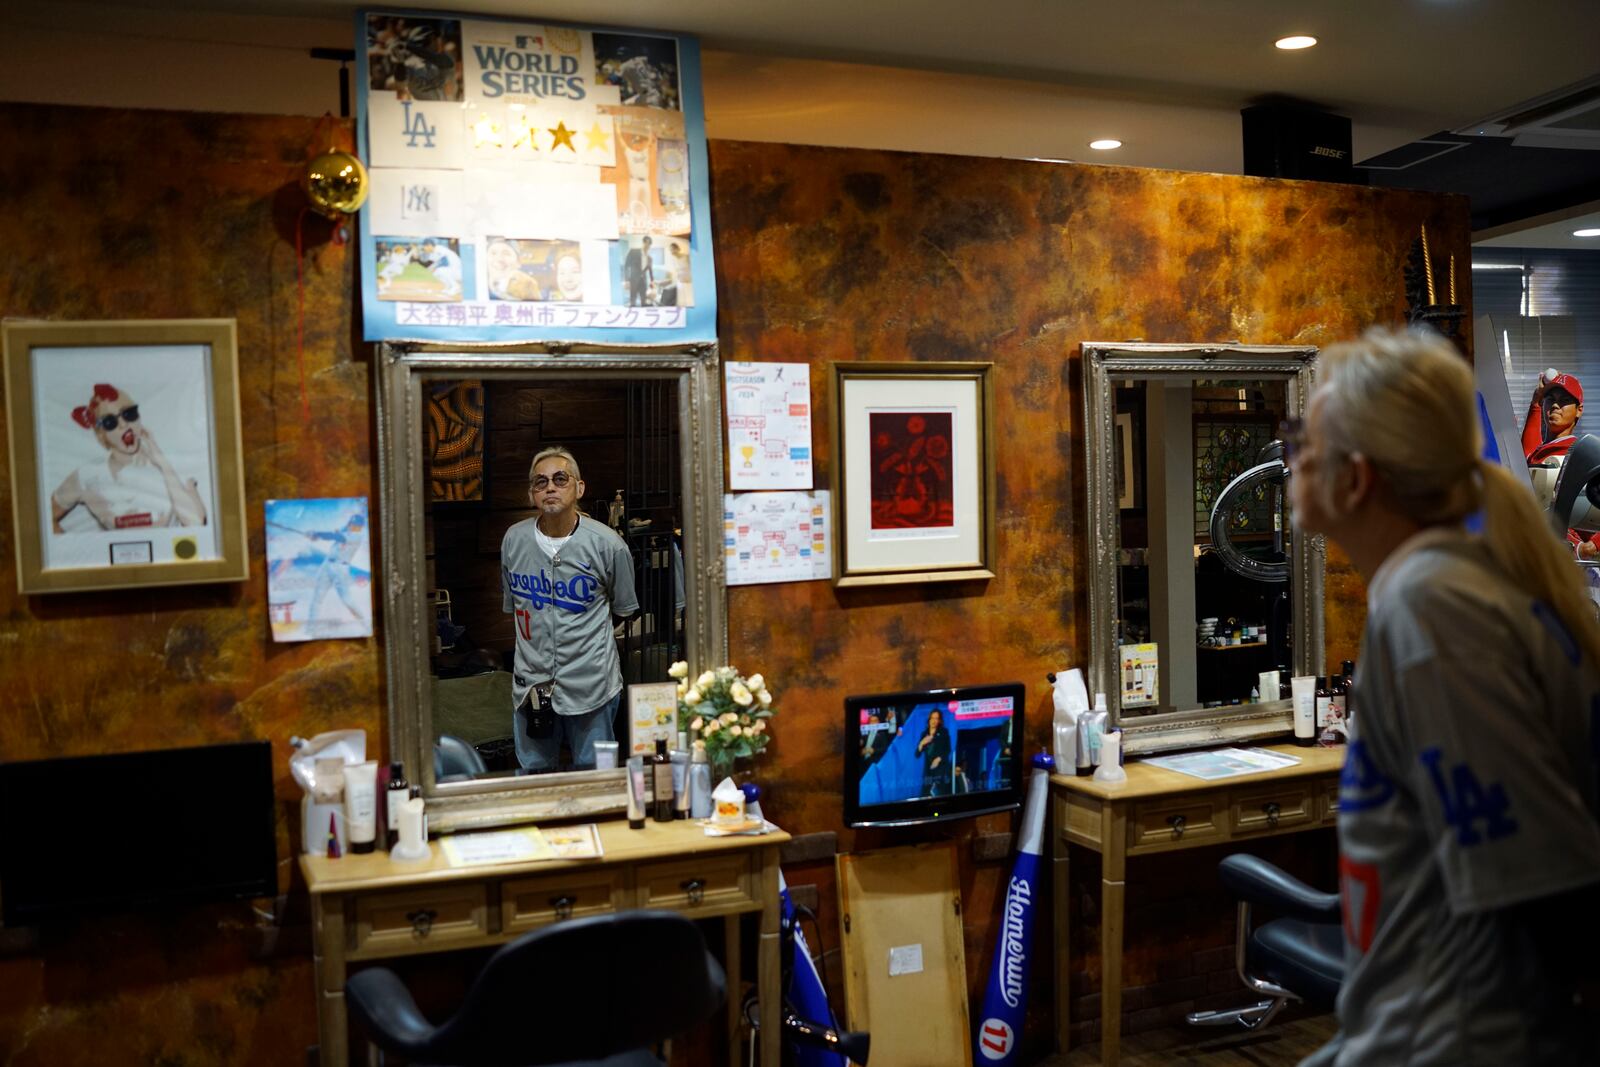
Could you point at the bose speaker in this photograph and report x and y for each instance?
(1289, 141)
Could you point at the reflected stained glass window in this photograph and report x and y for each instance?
(1225, 448)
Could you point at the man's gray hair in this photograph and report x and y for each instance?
(554, 452)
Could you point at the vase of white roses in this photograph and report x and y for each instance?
(726, 711)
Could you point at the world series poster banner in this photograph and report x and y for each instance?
(531, 181)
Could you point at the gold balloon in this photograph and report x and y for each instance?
(336, 182)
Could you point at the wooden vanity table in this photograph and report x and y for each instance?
(1157, 810)
(365, 908)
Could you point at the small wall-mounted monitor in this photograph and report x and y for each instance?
(130, 829)
(937, 754)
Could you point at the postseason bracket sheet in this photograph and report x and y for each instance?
(530, 181)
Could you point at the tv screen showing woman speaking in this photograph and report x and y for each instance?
(914, 757)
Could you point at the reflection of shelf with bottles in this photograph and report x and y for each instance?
(1231, 648)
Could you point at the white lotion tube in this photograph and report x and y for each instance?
(636, 792)
(361, 805)
(1304, 691)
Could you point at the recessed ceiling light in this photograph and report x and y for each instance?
(1593, 231)
(1105, 144)
(1291, 44)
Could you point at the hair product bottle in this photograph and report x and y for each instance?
(395, 797)
(661, 783)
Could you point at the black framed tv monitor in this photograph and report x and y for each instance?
(936, 754)
(131, 829)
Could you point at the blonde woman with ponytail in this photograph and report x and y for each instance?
(1469, 820)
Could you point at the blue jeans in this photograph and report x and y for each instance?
(539, 754)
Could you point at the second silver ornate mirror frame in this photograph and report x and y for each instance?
(398, 382)
(1103, 362)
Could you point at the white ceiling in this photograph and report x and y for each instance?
(1165, 76)
(1544, 232)
(1421, 65)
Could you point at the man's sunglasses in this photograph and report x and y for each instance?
(129, 415)
(560, 479)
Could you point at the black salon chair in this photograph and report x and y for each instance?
(593, 992)
(456, 761)
(1299, 956)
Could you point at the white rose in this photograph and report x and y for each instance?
(729, 717)
(740, 695)
(683, 687)
(692, 697)
(679, 669)
(756, 683)
(758, 727)
(712, 726)
(765, 698)
(697, 723)
(736, 729)
(705, 681)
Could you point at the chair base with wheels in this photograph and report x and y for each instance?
(1297, 957)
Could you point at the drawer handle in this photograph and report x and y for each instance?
(1271, 808)
(1177, 822)
(421, 921)
(695, 888)
(563, 906)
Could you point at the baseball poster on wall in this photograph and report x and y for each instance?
(532, 182)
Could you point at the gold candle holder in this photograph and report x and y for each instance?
(1452, 281)
(1427, 266)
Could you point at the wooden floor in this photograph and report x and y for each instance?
(1283, 1043)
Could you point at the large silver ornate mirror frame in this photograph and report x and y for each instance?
(1104, 364)
(403, 372)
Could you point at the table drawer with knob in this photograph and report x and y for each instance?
(1265, 811)
(420, 920)
(706, 885)
(1155, 826)
(526, 903)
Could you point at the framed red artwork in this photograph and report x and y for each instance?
(913, 472)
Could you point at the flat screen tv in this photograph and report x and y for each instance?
(936, 754)
(103, 833)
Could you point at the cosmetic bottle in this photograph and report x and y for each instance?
(1305, 709)
(416, 794)
(1324, 695)
(636, 792)
(661, 783)
(1091, 728)
(680, 782)
(395, 796)
(361, 805)
(699, 783)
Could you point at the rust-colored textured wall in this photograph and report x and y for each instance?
(823, 255)
(828, 254)
(142, 215)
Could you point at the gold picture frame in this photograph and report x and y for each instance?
(912, 476)
(126, 461)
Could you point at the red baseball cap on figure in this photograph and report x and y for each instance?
(1568, 383)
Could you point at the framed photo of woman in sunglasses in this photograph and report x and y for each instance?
(125, 453)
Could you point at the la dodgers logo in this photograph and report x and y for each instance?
(416, 126)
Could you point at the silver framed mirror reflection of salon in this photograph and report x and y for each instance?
(459, 427)
(1192, 419)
